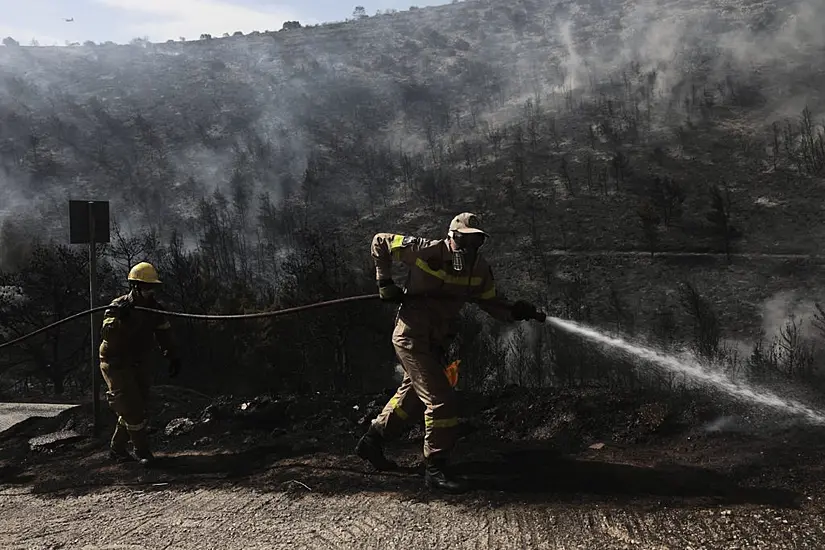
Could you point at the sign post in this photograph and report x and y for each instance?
(89, 224)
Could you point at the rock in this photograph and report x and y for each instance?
(49, 441)
(179, 426)
(219, 409)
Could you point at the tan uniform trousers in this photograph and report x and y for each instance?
(128, 396)
(426, 389)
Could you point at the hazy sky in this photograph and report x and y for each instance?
(160, 20)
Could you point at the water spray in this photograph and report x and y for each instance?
(692, 368)
(688, 366)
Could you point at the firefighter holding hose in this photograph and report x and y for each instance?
(450, 268)
(127, 336)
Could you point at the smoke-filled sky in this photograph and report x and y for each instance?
(160, 20)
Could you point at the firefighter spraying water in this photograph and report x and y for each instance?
(444, 274)
(455, 271)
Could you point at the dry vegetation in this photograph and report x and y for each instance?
(650, 167)
(254, 169)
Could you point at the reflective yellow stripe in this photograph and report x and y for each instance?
(396, 407)
(395, 246)
(444, 276)
(106, 328)
(440, 423)
(489, 294)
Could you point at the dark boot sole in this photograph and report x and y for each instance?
(121, 458)
(382, 464)
(438, 488)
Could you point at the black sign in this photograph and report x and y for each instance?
(79, 221)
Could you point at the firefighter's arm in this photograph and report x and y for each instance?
(502, 309)
(387, 247)
(113, 318)
(163, 334)
(493, 302)
(168, 345)
(166, 340)
(110, 325)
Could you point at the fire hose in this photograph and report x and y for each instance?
(540, 316)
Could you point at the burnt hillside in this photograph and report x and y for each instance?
(254, 170)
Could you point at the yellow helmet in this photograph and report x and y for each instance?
(144, 273)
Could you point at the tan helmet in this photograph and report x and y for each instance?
(466, 222)
(144, 273)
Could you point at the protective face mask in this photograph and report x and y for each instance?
(458, 260)
(145, 293)
(463, 257)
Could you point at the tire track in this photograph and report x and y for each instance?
(364, 521)
(164, 513)
(236, 517)
(173, 527)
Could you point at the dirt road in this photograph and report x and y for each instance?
(242, 518)
(229, 484)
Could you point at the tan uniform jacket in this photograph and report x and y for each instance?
(131, 338)
(427, 324)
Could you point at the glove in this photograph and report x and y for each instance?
(524, 310)
(389, 291)
(122, 309)
(174, 367)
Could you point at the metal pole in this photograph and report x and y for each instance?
(92, 324)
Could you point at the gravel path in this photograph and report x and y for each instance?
(223, 517)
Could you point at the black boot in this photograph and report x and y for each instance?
(436, 477)
(140, 441)
(371, 448)
(117, 445)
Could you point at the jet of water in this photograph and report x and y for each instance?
(693, 369)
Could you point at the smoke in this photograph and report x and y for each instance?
(776, 313)
(292, 90)
(691, 41)
(587, 48)
(722, 424)
(207, 167)
(90, 92)
(787, 304)
(783, 38)
(11, 197)
(574, 67)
